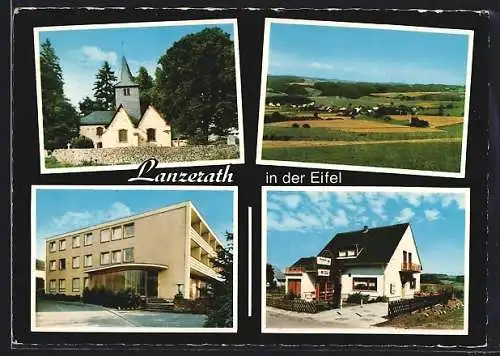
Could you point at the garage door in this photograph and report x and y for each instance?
(294, 286)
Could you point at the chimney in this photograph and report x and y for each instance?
(365, 229)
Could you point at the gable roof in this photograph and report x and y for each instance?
(378, 244)
(126, 78)
(308, 263)
(105, 117)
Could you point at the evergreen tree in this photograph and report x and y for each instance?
(104, 90)
(145, 82)
(60, 119)
(87, 106)
(270, 276)
(195, 84)
(221, 293)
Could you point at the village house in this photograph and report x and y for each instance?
(126, 126)
(378, 262)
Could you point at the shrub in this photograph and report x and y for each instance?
(306, 126)
(290, 296)
(295, 125)
(82, 142)
(382, 299)
(356, 298)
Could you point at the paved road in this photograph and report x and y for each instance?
(354, 317)
(73, 314)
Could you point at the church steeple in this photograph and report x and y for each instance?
(127, 92)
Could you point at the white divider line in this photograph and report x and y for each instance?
(249, 261)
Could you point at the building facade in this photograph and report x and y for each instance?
(156, 254)
(126, 126)
(377, 262)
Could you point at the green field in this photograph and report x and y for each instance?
(429, 156)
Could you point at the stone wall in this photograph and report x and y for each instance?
(136, 155)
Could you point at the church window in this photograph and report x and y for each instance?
(122, 135)
(99, 131)
(151, 133)
(126, 91)
(99, 144)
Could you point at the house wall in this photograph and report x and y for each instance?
(158, 239)
(90, 131)
(121, 121)
(391, 273)
(369, 272)
(153, 120)
(307, 282)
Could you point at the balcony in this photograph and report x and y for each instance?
(202, 243)
(410, 267)
(204, 269)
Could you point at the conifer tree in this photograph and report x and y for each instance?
(104, 90)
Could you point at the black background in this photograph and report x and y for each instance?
(250, 177)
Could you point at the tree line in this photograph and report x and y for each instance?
(194, 87)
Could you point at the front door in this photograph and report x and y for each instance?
(294, 287)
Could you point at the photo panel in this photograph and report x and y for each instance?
(370, 98)
(365, 260)
(146, 259)
(107, 101)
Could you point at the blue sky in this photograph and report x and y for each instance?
(64, 210)
(366, 54)
(300, 224)
(82, 52)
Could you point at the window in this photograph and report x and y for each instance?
(151, 134)
(351, 252)
(87, 261)
(126, 91)
(88, 239)
(99, 131)
(52, 285)
(413, 283)
(62, 245)
(52, 265)
(62, 285)
(105, 235)
(76, 241)
(342, 253)
(359, 283)
(85, 282)
(99, 145)
(117, 233)
(76, 262)
(75, 284)
(52, 246)
(392, 288)
(128, 230)
(116, 256)
(128, 254)
(62, 264)
(104, 258)
(122, 135)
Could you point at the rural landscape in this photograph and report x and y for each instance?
(373, 96)
(374, 124)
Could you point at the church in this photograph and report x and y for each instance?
(126, 126)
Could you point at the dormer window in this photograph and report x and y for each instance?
(349, 252)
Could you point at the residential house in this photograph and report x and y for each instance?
(378, 262)
(126, 126)
(155, 254)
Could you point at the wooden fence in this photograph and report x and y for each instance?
(296, 305)
(405, 306)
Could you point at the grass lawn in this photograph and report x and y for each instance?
(453, 319)
(431, 156)
(51, 162)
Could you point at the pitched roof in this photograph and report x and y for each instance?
(377, 244)
(309, 263)
(278, 274)
(104, 118)
(126, 78)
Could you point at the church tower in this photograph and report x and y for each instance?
(127, 92)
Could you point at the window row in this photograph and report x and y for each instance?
(61, 286)
(150, 135)
(115, 233)
(116, 256)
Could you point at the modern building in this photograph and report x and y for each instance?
(378, 262)
(126, 125)
(156, 254)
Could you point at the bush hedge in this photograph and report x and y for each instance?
(123, 299)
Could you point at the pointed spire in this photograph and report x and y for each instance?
(126, 78)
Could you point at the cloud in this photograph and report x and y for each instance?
(458, 199)
(405, 215)
(95, 54)
(320, 65)
(291, 201)
(432, 214)
(340, 218)
(73, 220)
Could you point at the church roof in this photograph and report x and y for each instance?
(103, 118)
(126, 78)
